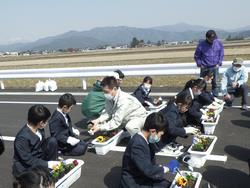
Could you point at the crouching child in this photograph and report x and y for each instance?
(61, 128)
(31, 149)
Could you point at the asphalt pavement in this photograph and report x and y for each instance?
(233, 132)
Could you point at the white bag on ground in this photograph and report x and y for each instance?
(52, 85)
(39, 86)
(46, 86)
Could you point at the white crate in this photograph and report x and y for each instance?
(105, 147)
(195, 174)
(209, 127)
(71, 177)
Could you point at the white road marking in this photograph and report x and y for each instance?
(8, 138)
(30, 102)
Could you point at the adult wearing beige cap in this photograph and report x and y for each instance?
(234, 83)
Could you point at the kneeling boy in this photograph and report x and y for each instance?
(61, 128)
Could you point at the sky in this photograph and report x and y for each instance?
(29, 20)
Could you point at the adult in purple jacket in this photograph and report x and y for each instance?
(209, 56)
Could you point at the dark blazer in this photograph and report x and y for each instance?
(61, 130)
(205, 98)
(142, 95)
(174, 119)
(138, 166)
(28, 151)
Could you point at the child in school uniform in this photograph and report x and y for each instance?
(61, 128)
(138, 167)
(31, 149)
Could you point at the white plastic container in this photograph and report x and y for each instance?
(200, 156)
(105, 147)
(72, 176)
(195, 174)
(209, 127)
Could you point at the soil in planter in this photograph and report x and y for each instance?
(106, 136)
(203, 144)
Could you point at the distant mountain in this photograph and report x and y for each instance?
(182, 27)
(119, 36)
(246, 28)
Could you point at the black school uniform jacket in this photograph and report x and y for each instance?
(142, 95)
(28, 150)
(174, 119)
(60, 129)
(138, 167)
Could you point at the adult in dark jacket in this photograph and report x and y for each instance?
(138, 167)
(30, 146)
(173, 112)
(61, 128)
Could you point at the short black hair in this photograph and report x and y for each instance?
(184, 97)
(155, 121)
(27, 179)
(211, 34)
(148, 79)
(34, 178)
(66, 99)
(38, 113)
(110, 82)
(120, 73)
(199, 83)
(208, 73)
(44, 172)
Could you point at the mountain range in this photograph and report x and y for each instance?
(121, 35)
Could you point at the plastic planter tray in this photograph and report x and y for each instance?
(72, 176)
(209, 127)
(200, 156)
(195, 174)
(105, 147)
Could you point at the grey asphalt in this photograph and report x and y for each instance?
(233, 132)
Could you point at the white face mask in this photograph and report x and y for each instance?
(236, 69)
(147, 86)
(153, 139)
(197, 93)
(108, 96)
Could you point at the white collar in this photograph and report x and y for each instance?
(191, 93)
(140, 133)
(64, 115)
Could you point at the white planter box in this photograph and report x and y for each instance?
(209, 127)
(105, 147)
(195, 174)
(200, 156)
(71, 177)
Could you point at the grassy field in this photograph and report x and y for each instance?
(127, 57)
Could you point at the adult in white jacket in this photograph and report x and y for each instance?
(120, 109)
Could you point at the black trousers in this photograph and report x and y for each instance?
(241, 91)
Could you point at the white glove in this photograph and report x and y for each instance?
(191, 130)
(72, 141)
(76, 131)
(149, 103)
(51, 164)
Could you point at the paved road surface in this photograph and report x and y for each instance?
(233, 134)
